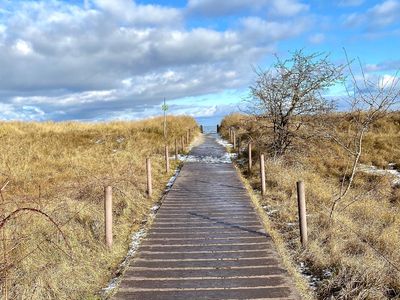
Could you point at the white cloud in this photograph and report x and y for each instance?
(82, 62)
(317, 38)
(380, 15)
(386, 13)
(22, 47)
(387, 81)
(128, 10)
(276, 7)
(257, 29)
(288, 7)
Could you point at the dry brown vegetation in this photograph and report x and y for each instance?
(356, 254)
(61, 170)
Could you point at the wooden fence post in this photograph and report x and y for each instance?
(188, 137)
(217, 128)
(301, 201)
(234, 139)
(183, 143)
(166, 159)
(108, 215)
(230, 134)
(201, 129)
(176, 149)
(149, 179)
(262, 172)
(249, 153)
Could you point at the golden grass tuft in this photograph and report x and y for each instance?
(360, 246)
(61, 169)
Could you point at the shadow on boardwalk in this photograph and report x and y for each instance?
(207, 241)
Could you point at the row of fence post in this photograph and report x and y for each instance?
(108, 216)
(301, 199)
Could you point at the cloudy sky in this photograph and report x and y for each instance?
(117, 59)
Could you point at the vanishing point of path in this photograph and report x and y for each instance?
(206, 241)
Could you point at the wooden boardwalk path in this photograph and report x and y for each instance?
(206, 241)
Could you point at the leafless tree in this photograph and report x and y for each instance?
(369, 100)
(289, 93)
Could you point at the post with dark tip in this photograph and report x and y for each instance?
(217, 128)
(301, 201)
(262, 173)
(201, 129)
(108, 215)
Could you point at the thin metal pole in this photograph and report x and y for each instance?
(149, 179)
(250, 159)
(166, 159)
(108, 215)
(301, 201)
(262, 172)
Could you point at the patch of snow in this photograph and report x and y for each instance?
(381, 172)
(133, 246)
(155, 208)
(224, 143)
(120, 140)
(100, 141)
(327, 273)
(272, 212)
(172, 180)
(313, 281)
(225, 159)
(269, 210)
(136, 239)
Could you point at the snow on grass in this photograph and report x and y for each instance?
(171, 181)
(313, 280)
(136, 239)
(376, 171)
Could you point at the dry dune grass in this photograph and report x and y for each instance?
(356, 255)
(61, 169)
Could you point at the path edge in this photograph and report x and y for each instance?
(302, 289)
(146, 227)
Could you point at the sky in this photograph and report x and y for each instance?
(100, 60)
